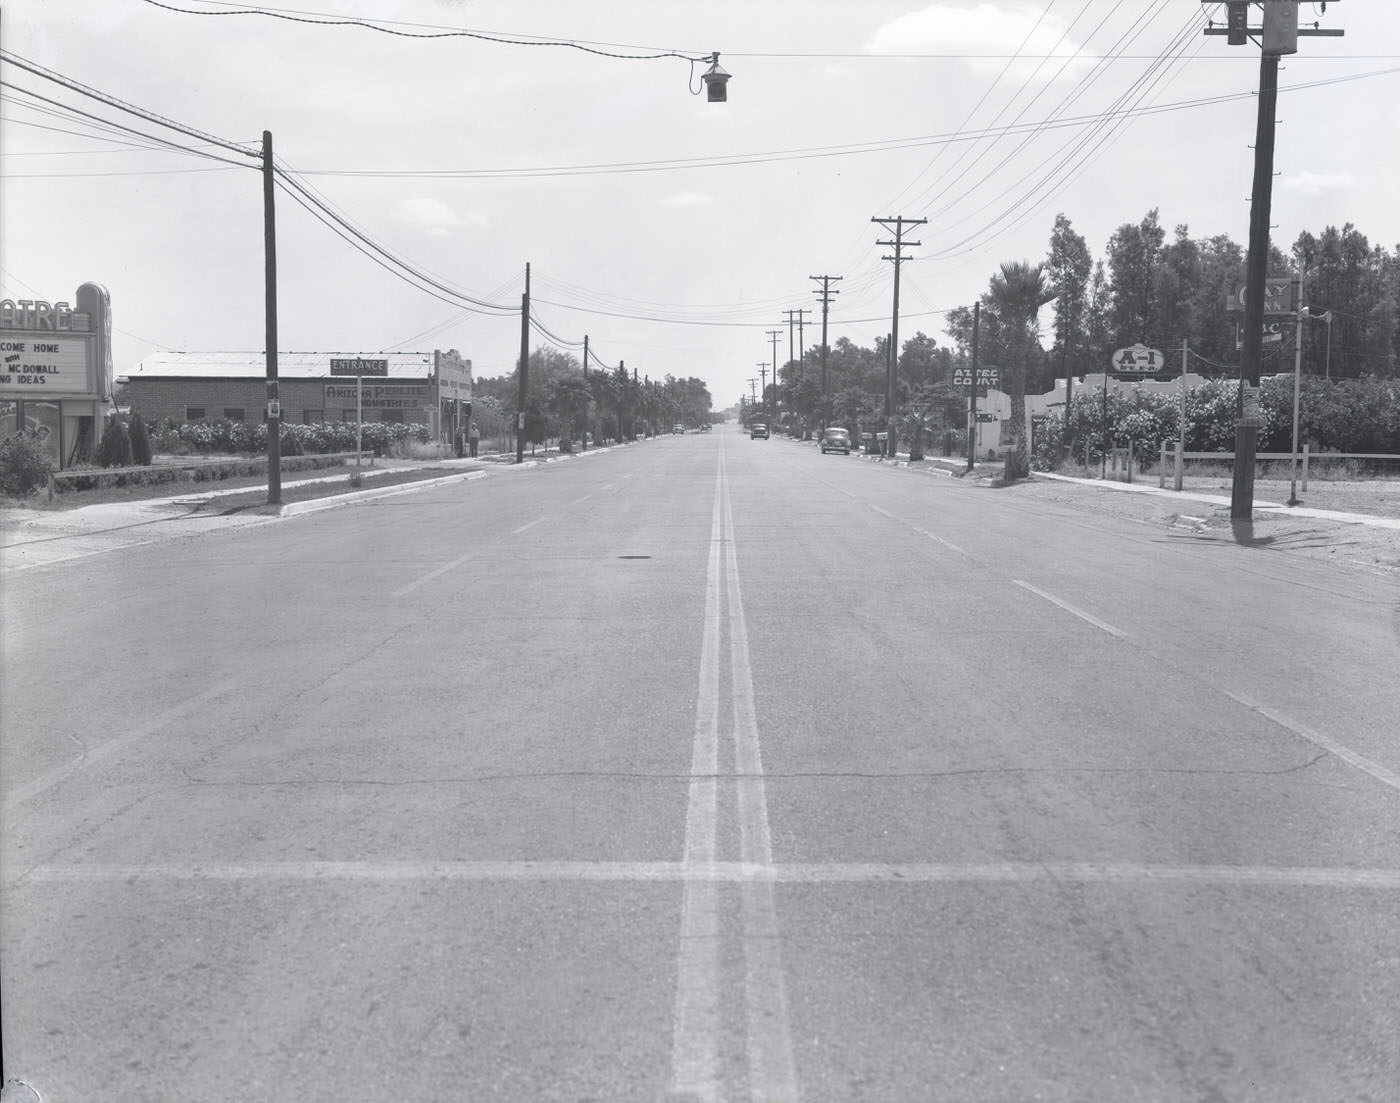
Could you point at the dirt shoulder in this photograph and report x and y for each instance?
(1299, 531)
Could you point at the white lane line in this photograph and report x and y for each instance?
(695, 1020)
(47, 781)
(580, 501)
(1068, 608)
(883, 512)
(527, 527)
(425, 579)
(772, 1069)
(718, 873)
(1346, 754)
(939, 540)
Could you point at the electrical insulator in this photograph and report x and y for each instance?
(1237, 22)
(1280, 26)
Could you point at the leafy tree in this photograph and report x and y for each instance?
(1068, 269)
(567, 400)
(1132, 257)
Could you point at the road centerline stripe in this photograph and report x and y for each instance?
(695, 1019)
(772, 1070)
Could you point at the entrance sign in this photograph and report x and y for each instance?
(358, 366)
(1139, 358)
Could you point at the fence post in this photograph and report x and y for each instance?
(1162, 465)
(1128, 470)
(1180, 463)
(1305, 469)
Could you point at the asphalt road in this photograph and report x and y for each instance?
(707, 769)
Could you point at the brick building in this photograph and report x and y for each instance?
(428, 388)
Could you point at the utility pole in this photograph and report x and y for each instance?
(763, 391)
(801, 339)
(1277, 36)
(794, 317)
(583, 444)
(972, 401)
(896, 226)
(524, 368)
(274, 406)
(773, 340)
(825, 293)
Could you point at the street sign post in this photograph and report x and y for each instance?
(359, 368)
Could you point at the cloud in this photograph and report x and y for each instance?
(686, 199)
(432, 217)
(1315, 183)
(986, 36)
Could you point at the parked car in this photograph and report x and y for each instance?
(836, 439)
(678, 428)
(758, 429)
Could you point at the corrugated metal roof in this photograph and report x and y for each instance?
(290, 365)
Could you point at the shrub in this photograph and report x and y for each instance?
(115, 450)
(24, 465)
(140, 441)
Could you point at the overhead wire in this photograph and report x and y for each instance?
(328, 21)
(41, 71)
(1074, 159)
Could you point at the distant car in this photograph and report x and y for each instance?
(836, 440)
(678, 428)
(758, 429)
(705, 428)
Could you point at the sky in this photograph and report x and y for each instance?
(680, 236)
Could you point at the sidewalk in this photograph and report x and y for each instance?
(33, 537)
(956, 465)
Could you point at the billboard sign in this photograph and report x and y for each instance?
(1139, 359)
(1278, 297)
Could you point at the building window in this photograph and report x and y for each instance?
(233, 413)
(347, 415)
(311, 417)
(391, 415)
(194, 413)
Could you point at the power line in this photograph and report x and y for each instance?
(163, 142)
(389, 30)
(111, 101)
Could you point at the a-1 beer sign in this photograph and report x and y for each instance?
(1139, 359)
(986, 377)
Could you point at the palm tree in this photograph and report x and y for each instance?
(1017, 293)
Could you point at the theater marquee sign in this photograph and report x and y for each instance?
(56, 370)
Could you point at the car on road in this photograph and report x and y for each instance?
(835, 439)
(678, 428)
(758, 429)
